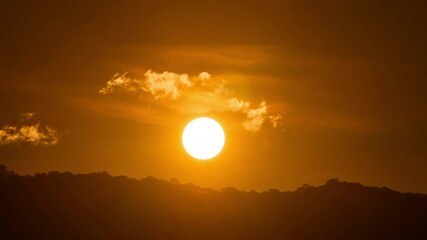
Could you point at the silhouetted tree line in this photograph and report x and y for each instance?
(99, 206)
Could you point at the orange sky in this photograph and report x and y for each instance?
(348, 79)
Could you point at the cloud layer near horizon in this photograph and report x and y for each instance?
(31, 134)
(171, 86)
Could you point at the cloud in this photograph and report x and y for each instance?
(160, 85)
(166, 84)
(275, 120)
(238, 105)
(204, 76)
(120, 82)
(31, 134)
(255, 117)
(27, 116)
(169, 85)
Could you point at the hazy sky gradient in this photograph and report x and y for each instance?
(348, 78)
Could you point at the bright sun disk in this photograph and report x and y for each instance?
(203, 138)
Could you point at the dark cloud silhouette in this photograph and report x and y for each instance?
(99, 206)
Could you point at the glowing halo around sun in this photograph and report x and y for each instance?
(203, 138)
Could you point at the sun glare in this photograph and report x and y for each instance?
(203, 138)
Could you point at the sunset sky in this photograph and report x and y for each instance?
(305, 90)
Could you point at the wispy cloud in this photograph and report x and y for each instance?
(160, 85)
(255, 117)
(121, 82)
(27, 116)
(31, 134)
(204, 76)
(238, 105)
(166, 84)
(169, 85)
(275, 120)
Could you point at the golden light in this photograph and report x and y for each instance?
(203, 138)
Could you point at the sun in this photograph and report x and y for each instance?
(203, 138)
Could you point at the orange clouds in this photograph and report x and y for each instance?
(169, 85)
(255, 117)
(31, 134)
